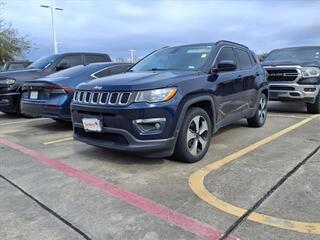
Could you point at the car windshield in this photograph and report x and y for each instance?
(44, 62)
(175, 58)
(295, 54)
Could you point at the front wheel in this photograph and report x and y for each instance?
(314, 108)
(194, 137)
(260, 115)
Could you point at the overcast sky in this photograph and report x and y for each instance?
(116, 26)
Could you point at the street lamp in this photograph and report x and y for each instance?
(55, 44)
(131, 51)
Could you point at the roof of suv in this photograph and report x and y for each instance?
(220, 42)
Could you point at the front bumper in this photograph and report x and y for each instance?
(9, 102)
(122, 140)
(293, 92)
(119, 131)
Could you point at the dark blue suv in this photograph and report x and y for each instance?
(172, 101)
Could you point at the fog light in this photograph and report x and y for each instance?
(310, 89)
(150, 125)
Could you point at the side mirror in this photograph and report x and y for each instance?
(226, 65)
(62, 66)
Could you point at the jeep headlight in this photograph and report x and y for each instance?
(156, 95)
(308, 72)
(8, 81)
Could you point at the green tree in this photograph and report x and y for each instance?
(12, 44)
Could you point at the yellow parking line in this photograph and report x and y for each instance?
(58, 141)
(23, 121)
(196, 182)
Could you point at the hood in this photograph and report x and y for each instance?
(132, 81)
(23, 75)
(302, 63)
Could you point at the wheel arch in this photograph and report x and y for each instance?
(205, 102)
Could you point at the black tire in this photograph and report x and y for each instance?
(193, 150)
(260, 116)
(314, 108)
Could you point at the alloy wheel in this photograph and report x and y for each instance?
(197, 135)
(262, 109)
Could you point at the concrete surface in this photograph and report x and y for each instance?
(241, 183)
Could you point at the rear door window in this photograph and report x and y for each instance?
(244, 59)
(15, 66)
(111, 71)
(95, 58)
(72, 60)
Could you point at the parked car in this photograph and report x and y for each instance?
(51, 96)
(172, 101)
(294, 75)
(12, 81)
(13, 65)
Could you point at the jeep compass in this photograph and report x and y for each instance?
(172, 101)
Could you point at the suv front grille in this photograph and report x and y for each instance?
(102, 98)
(282, 75)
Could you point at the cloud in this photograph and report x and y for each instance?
(116, 26)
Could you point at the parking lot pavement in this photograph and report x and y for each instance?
(241, 182)
(21, 218)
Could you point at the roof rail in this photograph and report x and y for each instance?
(226, 41)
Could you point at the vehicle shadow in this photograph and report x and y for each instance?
(287, 107)
(13, 116)
(118, 157)
(54, 126)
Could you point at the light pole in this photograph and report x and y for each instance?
(55, 44)
(132, 51)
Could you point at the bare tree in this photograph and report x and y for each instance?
(262, 56)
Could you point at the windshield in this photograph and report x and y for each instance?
(175, 58)
(44, 62)
(311, 54)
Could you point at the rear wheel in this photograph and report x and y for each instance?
(314, 108)
(194, 137)
(260, 116)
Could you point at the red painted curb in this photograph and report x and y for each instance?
(187, 223)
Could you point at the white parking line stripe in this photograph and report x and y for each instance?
(58, 141)
(23, 121)
(287, 116)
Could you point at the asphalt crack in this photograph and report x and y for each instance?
(46, 208)
(241, 219)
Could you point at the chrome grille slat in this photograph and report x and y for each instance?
(102, 98)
